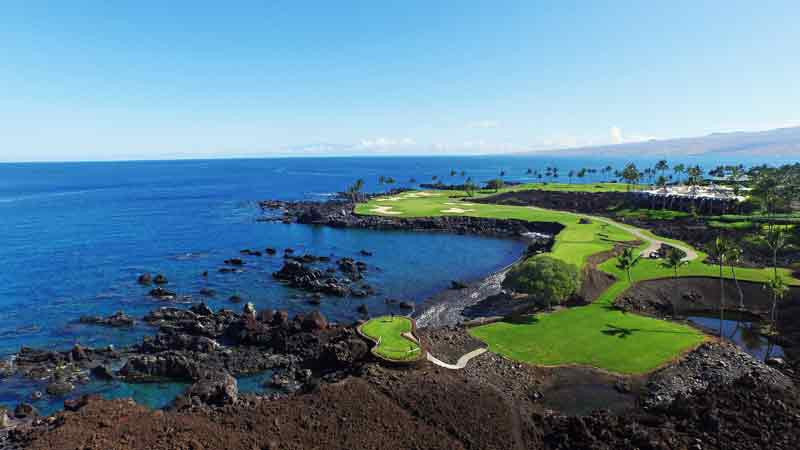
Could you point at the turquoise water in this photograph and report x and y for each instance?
(154, 395)
(256, 384)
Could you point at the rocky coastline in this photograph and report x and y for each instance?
(332, 388)
(341, 214)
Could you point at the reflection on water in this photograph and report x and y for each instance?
(745, 333)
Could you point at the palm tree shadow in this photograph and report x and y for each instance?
(619, 332)
(622, 333)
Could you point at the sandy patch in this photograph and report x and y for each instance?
(459, 204)
(384, 210)
(388, 199)
(456, 210)
(419, 194)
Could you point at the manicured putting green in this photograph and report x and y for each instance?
(388, 331)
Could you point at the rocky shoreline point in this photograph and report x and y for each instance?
(341, 214)
(300, 273)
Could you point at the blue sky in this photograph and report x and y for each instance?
(138, 80)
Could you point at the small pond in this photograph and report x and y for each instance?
(742, 331)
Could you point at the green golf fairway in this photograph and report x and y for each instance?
(595, 335)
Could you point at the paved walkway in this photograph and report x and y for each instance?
(461, 363)
(655, 244)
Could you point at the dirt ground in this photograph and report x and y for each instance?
(594, 281)
(429, 407)
(385, 409)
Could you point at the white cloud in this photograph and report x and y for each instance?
(383, 143)
(485, 124)
(617, 137)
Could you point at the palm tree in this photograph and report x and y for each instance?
(735, 177)
(662, 166)
(355, 189)
(608, 170)
(631, 175)
(674, 260)
(679, 170)
(734, 257)
(453, 172)
(778, 288)
(470, 187)
(719, 250)
(571, 174)
(626, 261)
(776, 240)
(695, 175)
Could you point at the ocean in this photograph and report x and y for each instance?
(75, 236)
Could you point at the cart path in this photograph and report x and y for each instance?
(461, 363)
(655, 243)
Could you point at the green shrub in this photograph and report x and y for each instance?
(546, 280)
(740, 225)
(495, 184)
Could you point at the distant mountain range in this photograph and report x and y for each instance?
(777, 142)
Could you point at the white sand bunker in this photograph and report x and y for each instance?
(388, 199)
(459, 204)
(419, 194)
(384, 210)
(456, 210)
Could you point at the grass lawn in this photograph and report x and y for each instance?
(651, 214)
(574, 244)
(392, 344)
(594, 335)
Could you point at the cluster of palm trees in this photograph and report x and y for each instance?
(725, 251)
(354, 190)
(657, 174)
(386, 180)
(772, 186)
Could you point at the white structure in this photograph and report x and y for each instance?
(699, 192)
